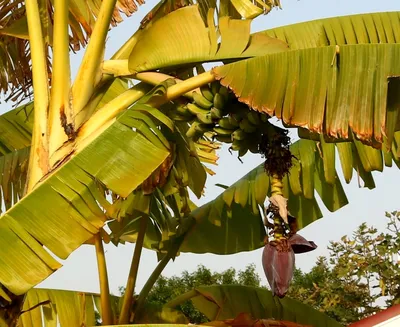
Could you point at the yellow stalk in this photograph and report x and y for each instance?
(39, 160)
(183, 88)
(105, 116)
(131, 282)
(118, 67)
(276, 186)
(89, 72)
(61, 126)
(106, 312)
(189, 84)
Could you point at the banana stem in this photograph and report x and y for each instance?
(119, 67)
(131, 282)
(180, 299)
(277, 189)
(39, 159)
(156, 273)
(106, 312)
(276, 186)
(180, 89)
(278, 229)
(89, 72)
(60, 115)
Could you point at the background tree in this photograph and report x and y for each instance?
(167, 288)
(360, 277)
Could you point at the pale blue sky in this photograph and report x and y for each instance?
(79, 271)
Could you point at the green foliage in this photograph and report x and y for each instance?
(168, 288)
(362, 272)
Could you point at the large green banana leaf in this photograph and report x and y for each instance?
(222, 302)
(232, 222)
(68, 307)
(16, 124)
(371, 28)
(72, 308)
(182, 37)
(350, 63)
(120, 158)
(15, 140)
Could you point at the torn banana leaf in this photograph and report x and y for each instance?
(222, 302)
(183, 31)
(350, 90)
(232, 222)
(72, 308)
(120, 158)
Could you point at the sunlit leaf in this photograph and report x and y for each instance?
(183, 31)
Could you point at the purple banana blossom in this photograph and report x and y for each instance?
(278, 261)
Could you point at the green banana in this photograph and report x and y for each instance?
(247, 126)
(243, 151)
(224, 92)
(253, 147)
(205, 118)
(223, 131)
(192, 132)
(201, 101)
(204, 128)
(198, 129)
(239, 135)
(206, 92)
(219, 101)
(239, 111)
(240, 146)
(216, 113)
(253, 117)
(183, 111)
(225, 123)
(195, 109)
(215, 86)
(223, 138)
(177, 117)
(233, 121)
(264, 117)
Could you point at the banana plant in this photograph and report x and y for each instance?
(126, 141)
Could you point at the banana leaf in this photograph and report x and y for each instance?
(349, 88)
(184, 32)
(221, 302)
(72, 308)
(380, 27)
(15, 140)
(119, 158)
(232, 222)
(234, 8)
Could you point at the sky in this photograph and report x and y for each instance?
(80, 271)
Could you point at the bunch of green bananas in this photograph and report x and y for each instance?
(214, 109)
(206, 109)
(243, 128)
